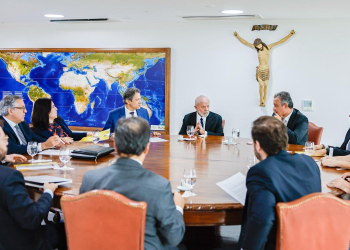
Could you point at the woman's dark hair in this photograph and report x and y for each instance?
(131, 135)
(40, 114)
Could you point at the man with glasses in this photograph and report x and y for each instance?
(12, 113)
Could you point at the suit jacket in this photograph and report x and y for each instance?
(47, 134)
(279, 178)
(213, 123)
(164, 224)
(20, 217)
(118, 113)
(339, 151)
(14, 146)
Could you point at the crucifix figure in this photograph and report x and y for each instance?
(263, 71)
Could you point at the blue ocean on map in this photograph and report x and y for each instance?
(45, 76)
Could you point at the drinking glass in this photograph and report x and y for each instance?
(309, 148)
(190, 131)
(32, 149)
(251, 161)
(235, 135)
(190, 178)
(65, 157)
(95, 137)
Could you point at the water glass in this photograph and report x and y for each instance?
(190, 130)
(251, 161)
(65, 157)
(190, 178)
(95, 137)
(32, 149)
(235, 135)
(309, 148)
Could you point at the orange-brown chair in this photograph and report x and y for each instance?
(314, 222)
(103, 219)
(315, 133)
(223, 124)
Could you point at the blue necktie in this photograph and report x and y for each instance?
(202, 122)
(132, 114)
(22, 140)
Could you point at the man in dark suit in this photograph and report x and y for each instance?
(12, 112)
(20, 217)
(278, 177)
(132, 108)
(203, 121)
(297, 123)
(164, 220)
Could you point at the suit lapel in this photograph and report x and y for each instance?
(26, 136)
(122, 111)
(10, 131)
(208, 122)
(193, 119)
(292, 119)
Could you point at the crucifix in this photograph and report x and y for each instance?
(263, 71)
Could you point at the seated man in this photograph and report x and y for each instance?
(12, 112)
(132, 108)
(297, 123)
(344, 149)
(278, 177)
(205, 122)
(164, 221)
(21, 217)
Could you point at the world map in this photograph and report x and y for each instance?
(85, 86)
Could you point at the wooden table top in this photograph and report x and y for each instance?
(213, 160)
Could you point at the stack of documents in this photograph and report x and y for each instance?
(104, 135)
(35, 166)
(235, 186)
(38, 181)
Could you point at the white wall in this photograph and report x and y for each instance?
(207, 59)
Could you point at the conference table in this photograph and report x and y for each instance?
(213, 160)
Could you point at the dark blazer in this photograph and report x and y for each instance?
(20, 217)
(339, 151)
(118, 113)
(164, 224)
(298, 128)
(14, 146)
(279, 178)
(213, 123)
(47, 134)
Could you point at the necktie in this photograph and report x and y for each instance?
(132, 114)
(202, 122)
(21, 136)
(284, 121)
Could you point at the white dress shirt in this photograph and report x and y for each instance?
(12, 125)
(204, 121)
(286, 119)
(127, 113)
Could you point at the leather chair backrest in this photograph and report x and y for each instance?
(315, 133)
(314, 222)
(103, 219)
(223, 124)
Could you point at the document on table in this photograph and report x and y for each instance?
(50, 152)
(38, 181)
(235, 186)
(156, 139)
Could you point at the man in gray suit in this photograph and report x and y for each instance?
(164, 220)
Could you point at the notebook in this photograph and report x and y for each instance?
(38, 181)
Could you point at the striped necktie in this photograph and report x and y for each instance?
(22, 139)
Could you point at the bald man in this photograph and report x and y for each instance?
(204, 121)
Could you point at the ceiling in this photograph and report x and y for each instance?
(25, 11)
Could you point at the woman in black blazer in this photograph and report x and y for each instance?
(47, 123)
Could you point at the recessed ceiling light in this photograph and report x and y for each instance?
(232, 11)
(53, 15)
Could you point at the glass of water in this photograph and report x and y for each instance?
(251, 161)
(190, 178)
(190, 131)
(309, 148)
(235, 135)
(95, 137)
(32, 149)
(65, 157)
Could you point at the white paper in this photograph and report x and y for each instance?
(50, 152)
(156, 139)
(41, 179)
(235, 186)
(40, 160)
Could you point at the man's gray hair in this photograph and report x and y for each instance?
(284, 98)
(7, 102)
(200, 99)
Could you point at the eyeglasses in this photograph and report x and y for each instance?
(23, 108)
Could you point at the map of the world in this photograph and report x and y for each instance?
(85, 86)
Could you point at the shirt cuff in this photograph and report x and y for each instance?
(39, 147)
(206, 133)
(49, 191)
(178, 208)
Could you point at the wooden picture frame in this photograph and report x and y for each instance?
(167, 52)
